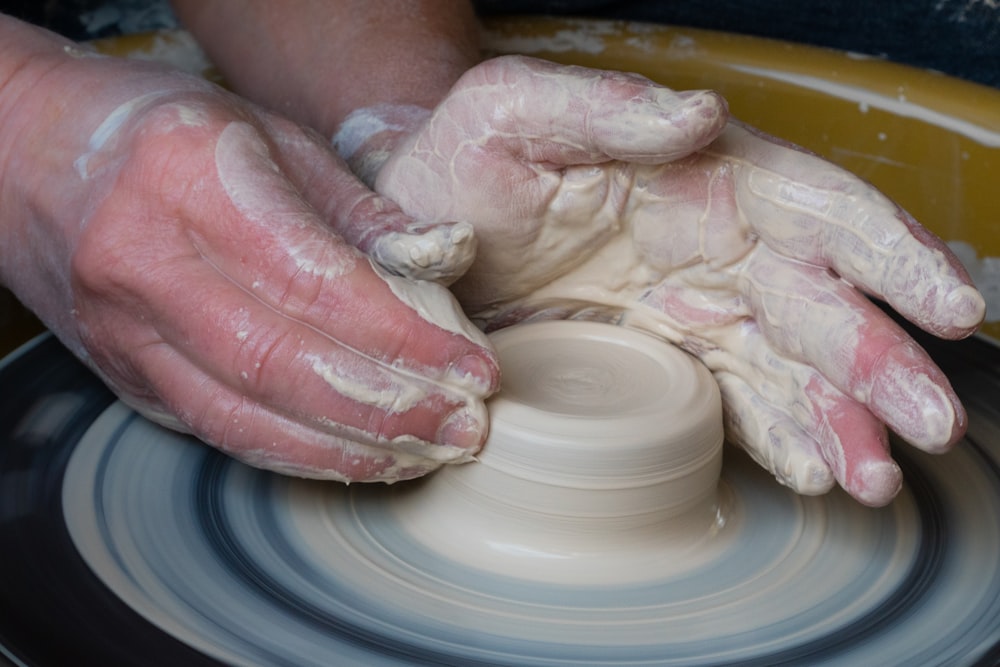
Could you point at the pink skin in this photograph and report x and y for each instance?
(207, 309)
(754, 256)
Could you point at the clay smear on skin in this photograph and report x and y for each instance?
(357, 382)
(361, 125)
(387, 461)
(614, 275)
(184, 116)
(432, 253)
(247, 174)
(436, 305)
(109, 128)
(245, 170)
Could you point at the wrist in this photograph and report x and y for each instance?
(367, 136)
(60, 105)
(27, 55)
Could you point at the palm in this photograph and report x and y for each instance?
(746, 252)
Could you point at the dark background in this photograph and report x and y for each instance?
(957, 37)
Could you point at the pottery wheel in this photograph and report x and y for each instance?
(126, 543)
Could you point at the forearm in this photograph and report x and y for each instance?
(55, 98)
(316, 62)
(31, 148)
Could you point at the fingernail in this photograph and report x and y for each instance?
(694, 94)
(812, 478)
(473, 369)
(927, 415)
(714, 103)
(461, 233)
(419, 255)
(966, 307)
(914, 398)
(876, 483)
(463, 429)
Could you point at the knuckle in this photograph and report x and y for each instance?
(260, 353)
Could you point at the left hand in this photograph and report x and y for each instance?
(599, 194)
(186, 245)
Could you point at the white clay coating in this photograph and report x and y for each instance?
(109, 128)
(439, 253)
(245, 168)
(361, 125)
(602, 462)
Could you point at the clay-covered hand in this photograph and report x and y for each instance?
(184, 244)
(597, 194)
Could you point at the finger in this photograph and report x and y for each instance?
(816, 319)
(335, 342)
(302, 269)
(440, 252)
(306, 375)
(854, 444)
(811, 210)
(772, 439)
(267, 439)
(587, 115)
(274, 428)
(851, 440)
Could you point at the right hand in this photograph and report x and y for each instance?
(183, 243)
(602, 195)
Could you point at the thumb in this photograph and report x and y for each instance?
(570, 115)
(435, 251)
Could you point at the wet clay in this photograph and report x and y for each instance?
(602, 463)
(272, 567)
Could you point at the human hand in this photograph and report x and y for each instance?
(601, 195)
(185, 245)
